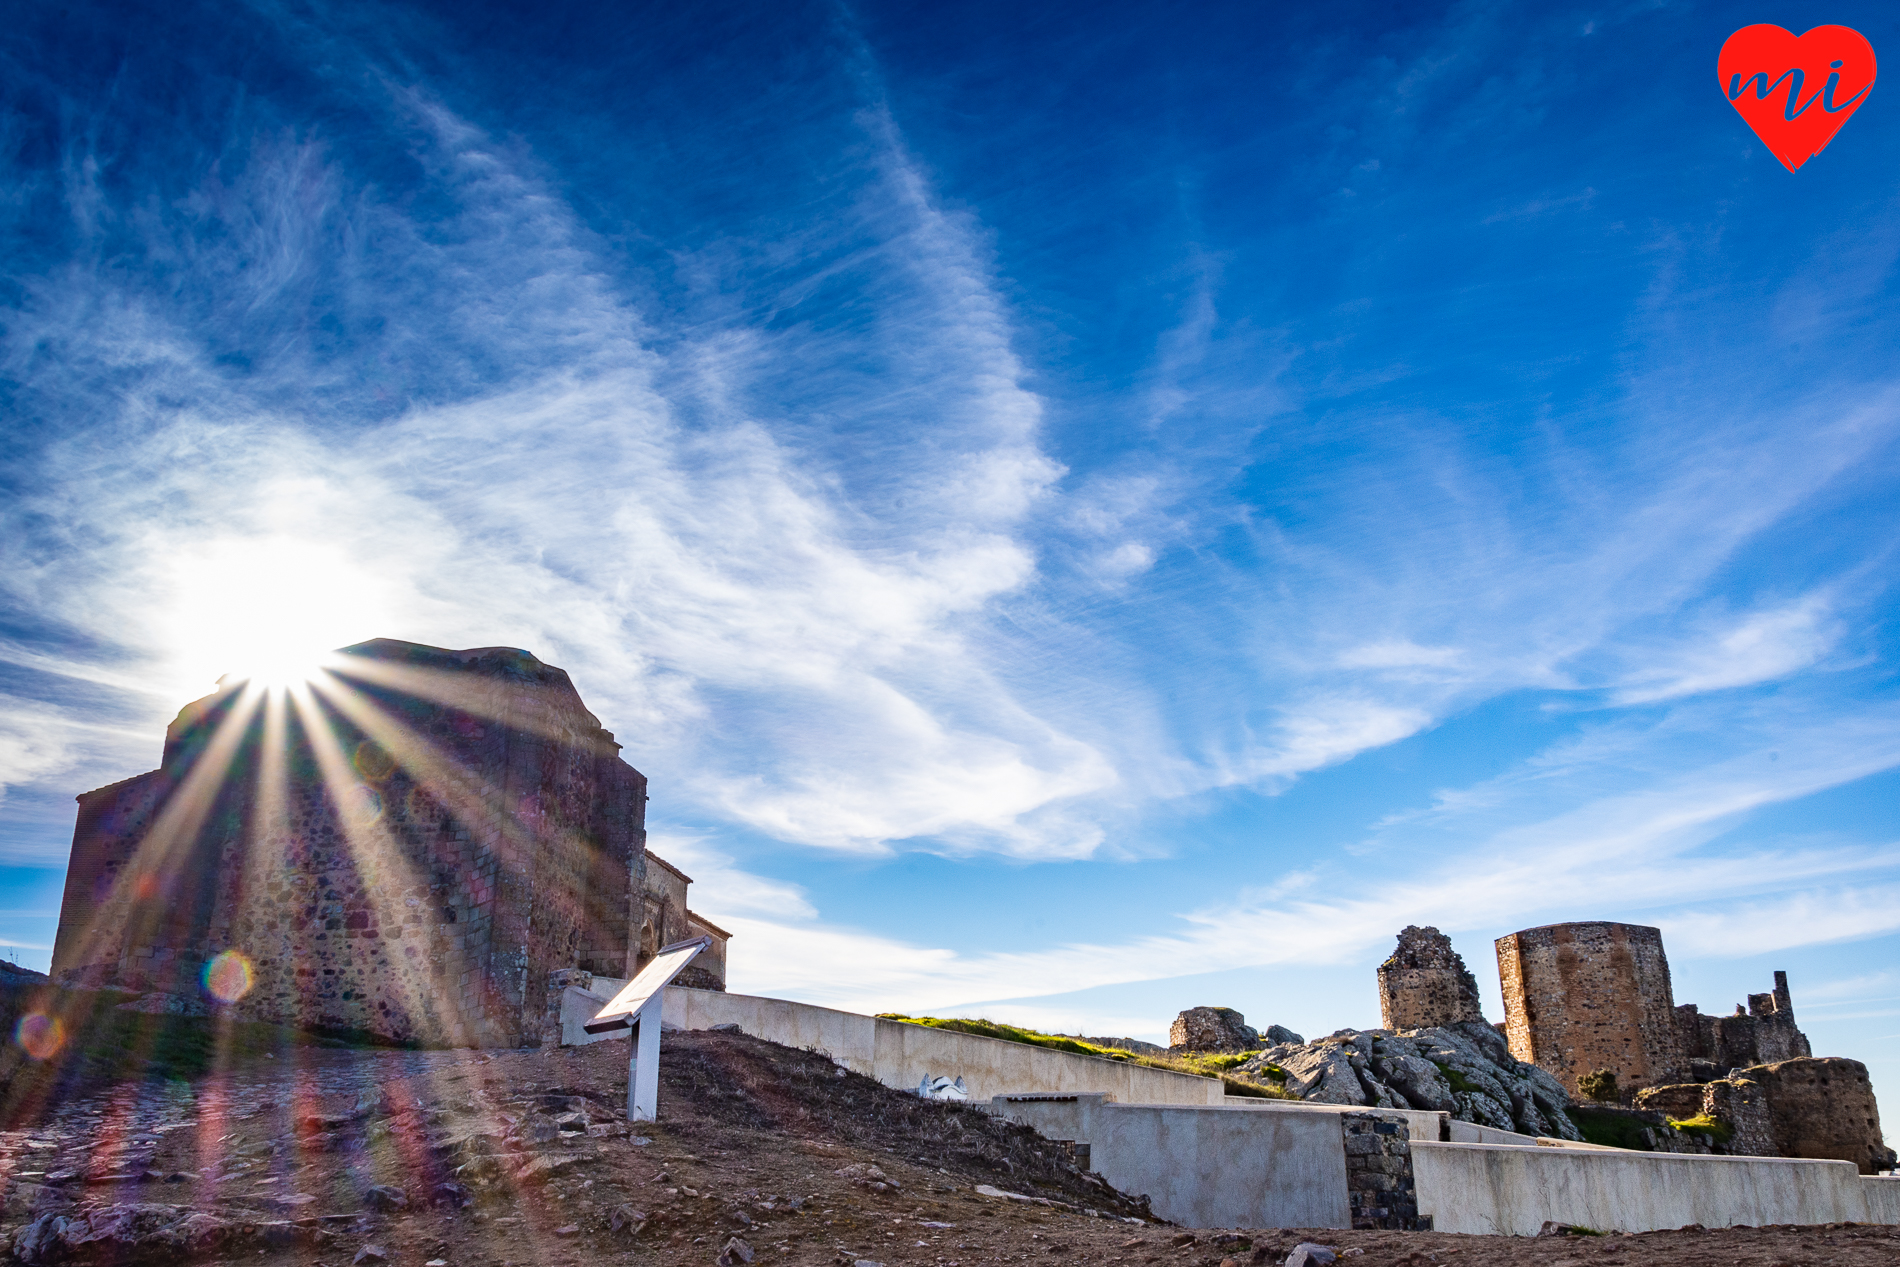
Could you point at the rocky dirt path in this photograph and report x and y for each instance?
(763, 1155)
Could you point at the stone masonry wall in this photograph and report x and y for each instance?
(1824, 1107)
(1738, 1104)
(1381, 1188)
(1762, 1033)
(1675, 1099)
(1425, 984)
(1582, 997)
(408, 849)
(1742, 1105)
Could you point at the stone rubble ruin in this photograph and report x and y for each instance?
(1425, 983)
(1762, 1034)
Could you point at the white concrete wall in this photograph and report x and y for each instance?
(900, 1055)
(1514, 1190)
(1419, 1123)
(1882, 1195)
(1203, 1166)
(580, 1006)
(1472, 1133)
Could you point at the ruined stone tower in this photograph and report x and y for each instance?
(1425, 983)
(1582, 997)
(405, 848)
(1760, 1034)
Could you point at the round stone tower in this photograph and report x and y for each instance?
(1583, 997)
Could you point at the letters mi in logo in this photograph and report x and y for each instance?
(1796, 91)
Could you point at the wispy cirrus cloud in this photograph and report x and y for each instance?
(1525, 853)
(674, 567)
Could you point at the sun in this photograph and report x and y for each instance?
(276, 667)
(269, 612)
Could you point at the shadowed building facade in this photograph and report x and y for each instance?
(407, 849)
(667, 919)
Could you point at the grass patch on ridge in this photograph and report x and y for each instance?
(1212, 1065)
(1703, 1124)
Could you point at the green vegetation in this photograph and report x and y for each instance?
(1254, 1090)
(1703, 1124)
(1009, 1034)
(1457, 1080)
(1205, 1066)
(1599, 1086)
(1223, 1061)
(1609, 1127)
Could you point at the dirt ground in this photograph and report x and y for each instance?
(522, 1159)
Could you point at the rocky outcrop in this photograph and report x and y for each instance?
(14, 974)
(1465, 1070)
(1212, 1029)
(113, 1233)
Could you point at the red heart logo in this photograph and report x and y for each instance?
(1796, 91)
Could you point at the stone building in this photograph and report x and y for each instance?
(666, 918)
(1425, 983)
(407, 849)
(1589, 996)
(1761, 1034)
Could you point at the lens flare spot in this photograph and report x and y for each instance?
(41, 1035)
(362, 805)
(228, 977)
(372, 761)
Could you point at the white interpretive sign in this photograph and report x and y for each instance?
(637, 1007)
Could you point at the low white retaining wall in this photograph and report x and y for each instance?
(902, 1055)
(1419, 1123)
(1514, 1190)
(1882, 1194)
(1202, 1166)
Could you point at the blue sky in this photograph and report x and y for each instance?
(1079, 511)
